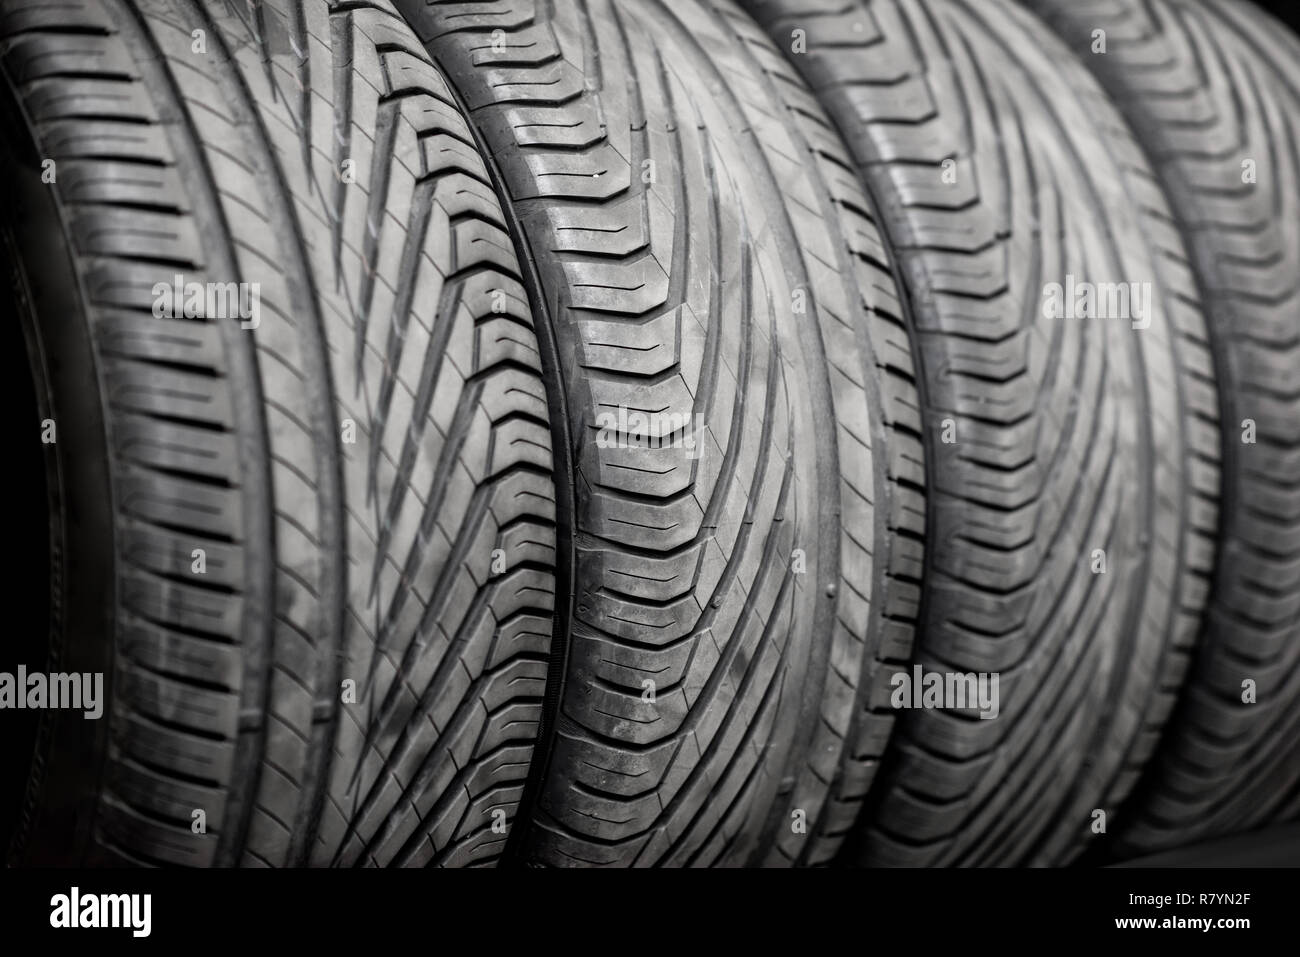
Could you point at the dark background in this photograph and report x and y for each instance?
(1288, 11)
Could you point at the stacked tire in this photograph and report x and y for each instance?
(560, 434)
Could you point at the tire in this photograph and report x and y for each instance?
(713, 585)
(1058, 448)
(878, 446)
(1206, 86)
(351, 672)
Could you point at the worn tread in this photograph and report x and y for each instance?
(1205, 86)
(369, 469)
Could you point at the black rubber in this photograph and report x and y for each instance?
(352, 670)
(1047, 438)
(1208, 87)
(878, 442)
(700, 248)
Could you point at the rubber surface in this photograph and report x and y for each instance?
(334, 520)
(1208, 88)
(664, 191)
(1055, 444)
(878, 442)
